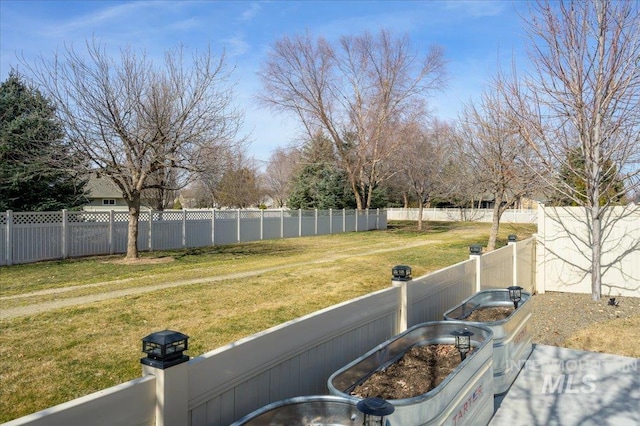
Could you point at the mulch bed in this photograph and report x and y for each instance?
(421, 369)
(491, 313)
(557, 316)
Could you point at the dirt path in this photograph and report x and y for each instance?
(36, 308)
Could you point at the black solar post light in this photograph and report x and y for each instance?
(375, 410)
(401, 273)
(515, 294)
(475, 249)
(165, 349)
(463, 341)
(512, 238)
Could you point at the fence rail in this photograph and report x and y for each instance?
(27, 237)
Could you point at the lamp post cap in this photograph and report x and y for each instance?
(165, 337)
(401, 273)
(463, 332)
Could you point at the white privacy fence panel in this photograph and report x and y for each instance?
(32, 237)
(497, 268)
(249, 225)
(85, 233)
(37, 236)
(564, 251)
(476, 215)
(295, 358)
(431, 295)
(525, 265)
(200, 234)
(131, 403)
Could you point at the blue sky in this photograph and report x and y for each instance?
(476, 36)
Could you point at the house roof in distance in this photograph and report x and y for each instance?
(102, 187)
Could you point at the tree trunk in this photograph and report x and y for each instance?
(420, 216)
(132, 234)
(495, 224)
(596, 249)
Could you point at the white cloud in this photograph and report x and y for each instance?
(250, 13)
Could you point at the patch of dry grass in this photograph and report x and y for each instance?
(619, 336)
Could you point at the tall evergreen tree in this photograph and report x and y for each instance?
(36, 168)
(319, 183)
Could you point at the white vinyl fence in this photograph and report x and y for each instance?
(295, 358)
(453, 215)
(35, 236)
(564, 251)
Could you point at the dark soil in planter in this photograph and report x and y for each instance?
(491, 313)
(421, 369)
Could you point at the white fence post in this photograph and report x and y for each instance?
(112, 233)
(403, 299)
(150, 229)
(184, 228)
(330, 221)
(65, 230)
(357, 212)
(9, 239)
(299, 222)
(213, 227)
(344, 220)
(171, 371)
(316, 217)
(476, 254)
(238, 229)
(514, 246)
(261, 224)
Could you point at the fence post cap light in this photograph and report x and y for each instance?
(475, 249)
(515, 294)
(512, 238)
(401, 273)
(374, 407)
(165, 349)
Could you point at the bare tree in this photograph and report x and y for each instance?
(422, 159)
(278, 173)
(492, 146)
(131, 119)
(239, 185)
(356, 91)
(582, 94)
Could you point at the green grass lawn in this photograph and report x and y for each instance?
(58, 355)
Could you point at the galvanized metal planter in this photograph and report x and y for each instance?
(511, 336)
(305, 410)
(465, 397)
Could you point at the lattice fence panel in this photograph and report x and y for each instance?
(37, 218)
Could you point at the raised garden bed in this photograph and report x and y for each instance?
(512, 341)
(420, 370)
(305, 410)
(463, 396)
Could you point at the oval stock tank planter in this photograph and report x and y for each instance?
(512, 342)
(464, 397)
(306, 410)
